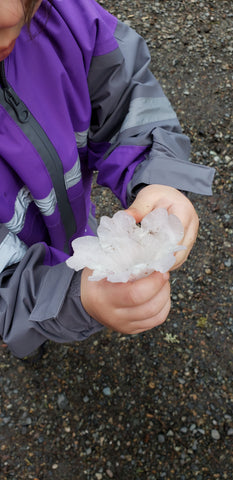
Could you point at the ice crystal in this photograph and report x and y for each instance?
(124, 251)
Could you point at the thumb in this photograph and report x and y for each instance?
(136, 211)
(153, 196)
(145, 201)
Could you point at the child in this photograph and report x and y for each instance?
(77, 96)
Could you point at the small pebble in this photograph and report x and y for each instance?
(215, 434)
(62, 401)
(184, 430)
(109, 473)
(227, 262)
(107, 392)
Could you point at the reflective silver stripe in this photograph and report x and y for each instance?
(73, 176)
(12, 250)
(22, 202)
(81, 138)
(48, 204)
(147, 110)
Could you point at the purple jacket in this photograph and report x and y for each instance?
(84, 77)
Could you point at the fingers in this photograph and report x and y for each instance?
(127, 308)
(130, 294)
(138, 292)
(153, 322)
(132, 322)
(191, 224)
(150, 309)
(189, 219)
(134, 327)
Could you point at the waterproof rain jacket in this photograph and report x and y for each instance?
(84, 78)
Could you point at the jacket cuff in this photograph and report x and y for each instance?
(52, 293)
(180, 174)
(60, 315)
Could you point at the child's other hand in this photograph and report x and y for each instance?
(155, 196)
(129, 308)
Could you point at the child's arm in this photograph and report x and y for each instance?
(39, 302)
(135, 137)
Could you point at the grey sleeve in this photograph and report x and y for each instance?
(130, 108)
(39, 302)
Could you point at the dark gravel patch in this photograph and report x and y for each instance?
(159, 405)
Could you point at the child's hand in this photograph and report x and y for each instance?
(129, 308)
(155, 196)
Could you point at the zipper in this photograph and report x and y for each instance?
(39, 139)
(12, 99)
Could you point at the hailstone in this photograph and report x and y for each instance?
(124, 251)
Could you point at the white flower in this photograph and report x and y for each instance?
(124, 251)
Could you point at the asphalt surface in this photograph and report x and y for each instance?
(158, 405)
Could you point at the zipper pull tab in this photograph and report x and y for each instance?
(18, 106)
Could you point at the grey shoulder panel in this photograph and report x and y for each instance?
(128, 102)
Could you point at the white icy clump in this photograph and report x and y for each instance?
(124, 251)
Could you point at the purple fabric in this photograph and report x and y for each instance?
(111, 171)
(38, 70)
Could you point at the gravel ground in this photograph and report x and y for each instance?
(157, 405)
